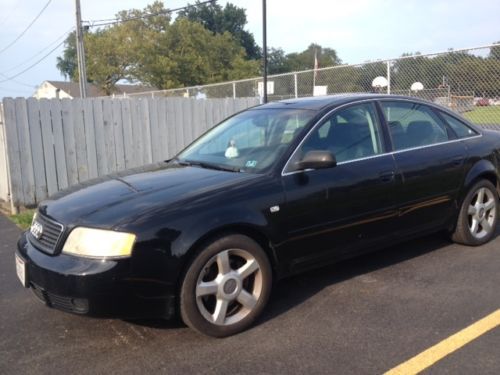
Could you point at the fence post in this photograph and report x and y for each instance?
(234, 90)
(388, 77)
(295, 84)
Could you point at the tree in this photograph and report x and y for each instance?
(110, 57)
(188, 54)
(277, 62)
(219, 20)
(305, 59)
(157, 52)
(463, 73)
(67, 64)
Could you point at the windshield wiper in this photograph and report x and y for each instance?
(203, 164)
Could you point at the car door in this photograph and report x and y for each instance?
(430, 159)
(333, 211)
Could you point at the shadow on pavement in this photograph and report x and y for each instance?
(295, 290)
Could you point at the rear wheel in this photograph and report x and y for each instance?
(478, 216)
(226, 287)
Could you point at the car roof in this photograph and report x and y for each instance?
(319, 103)
(322, 102)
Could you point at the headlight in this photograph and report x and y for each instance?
(99, 243)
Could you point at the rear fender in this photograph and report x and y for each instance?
(482, 169)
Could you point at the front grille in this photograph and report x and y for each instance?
(51, 234)
(79, 306)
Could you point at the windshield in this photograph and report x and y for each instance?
(251, 141)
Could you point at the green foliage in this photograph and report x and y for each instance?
(188, 54)
(67, 63)
(219, 20)
(110, 56)
(277, 61)
(461, 71)
(305, 59)
(23, 219)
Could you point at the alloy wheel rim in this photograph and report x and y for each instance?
(229, 287)
(481, 213)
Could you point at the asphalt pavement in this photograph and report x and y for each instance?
(362, 316)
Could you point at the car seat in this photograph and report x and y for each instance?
(420, 133)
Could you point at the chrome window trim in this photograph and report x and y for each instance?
(283, 173)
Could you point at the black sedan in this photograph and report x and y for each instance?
(272, 191)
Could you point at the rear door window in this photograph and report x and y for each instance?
(413, 125)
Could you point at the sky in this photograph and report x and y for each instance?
(359, 30)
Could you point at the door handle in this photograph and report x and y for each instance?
(457, 161)
(387, 176)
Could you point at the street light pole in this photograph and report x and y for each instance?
(264, 47)
(80, 52)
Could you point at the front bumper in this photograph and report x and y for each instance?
(100, 288)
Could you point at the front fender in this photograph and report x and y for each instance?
(227, 219)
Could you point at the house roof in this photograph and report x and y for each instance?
(73, 89)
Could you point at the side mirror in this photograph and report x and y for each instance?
(317, 160)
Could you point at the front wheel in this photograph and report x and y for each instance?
(478, 215)
(226, 287)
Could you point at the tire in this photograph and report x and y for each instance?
(226, 286)
(478, 215)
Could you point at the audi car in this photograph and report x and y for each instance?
(269, 192)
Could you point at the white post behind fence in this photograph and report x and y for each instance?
(388, 77)
(295, 86)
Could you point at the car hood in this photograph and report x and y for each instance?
(117, 194)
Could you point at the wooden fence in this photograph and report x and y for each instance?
(48, 145)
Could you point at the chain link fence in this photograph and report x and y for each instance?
(465, 80)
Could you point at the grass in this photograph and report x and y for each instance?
(484, 115)
(23, 219)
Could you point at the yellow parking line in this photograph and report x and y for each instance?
(427, 358)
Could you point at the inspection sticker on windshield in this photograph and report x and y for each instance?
(251, 164)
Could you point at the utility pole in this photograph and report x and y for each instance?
(80, 52)
(264, 47)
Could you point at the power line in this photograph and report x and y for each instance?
(38, 53)
(12, 10)
(33, 65)
(18, 82)
(7, 78)
(113, 21)
(26, 29)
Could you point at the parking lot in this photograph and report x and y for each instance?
(364, 316)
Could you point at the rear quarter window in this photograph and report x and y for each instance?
(461, 130)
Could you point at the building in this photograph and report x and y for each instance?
(62, 89)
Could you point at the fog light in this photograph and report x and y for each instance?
(80, 304)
